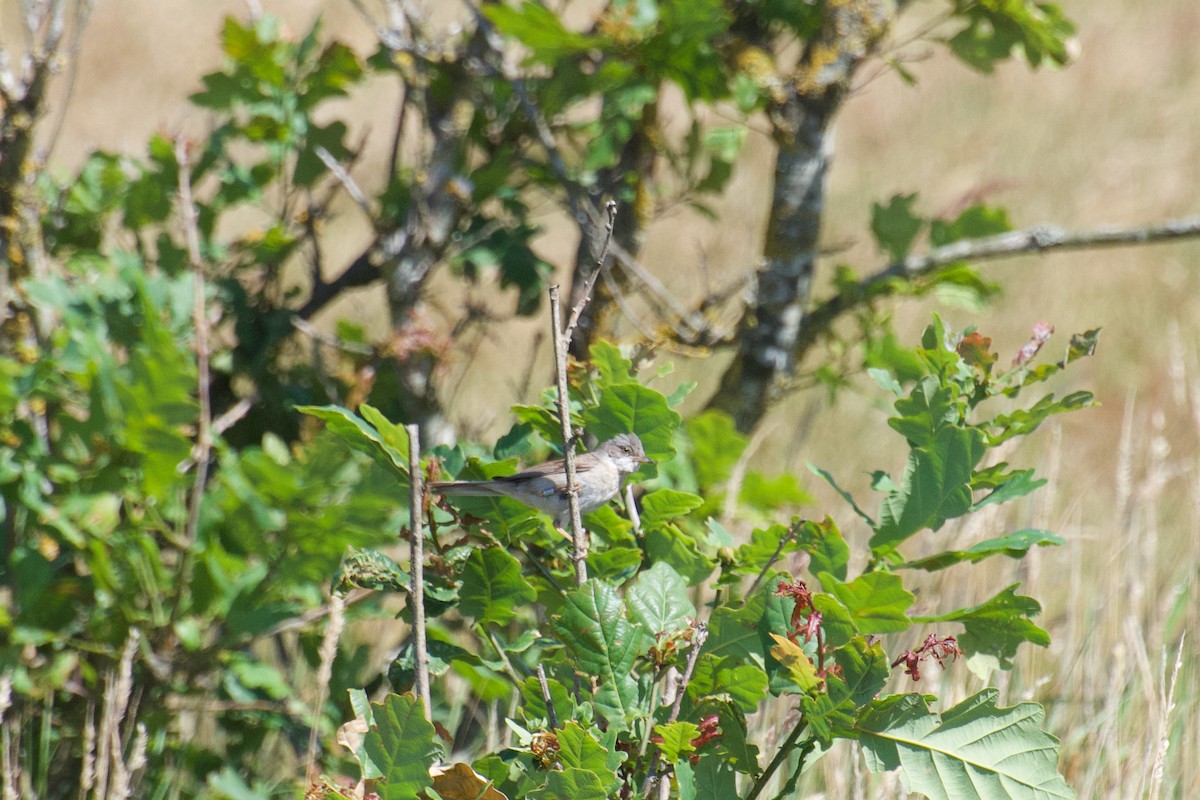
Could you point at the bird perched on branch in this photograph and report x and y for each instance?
(598, 476)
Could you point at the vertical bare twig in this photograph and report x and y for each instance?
(417, 569)
(562, 345)
(653, 778)
(578, 534)
(203, 450)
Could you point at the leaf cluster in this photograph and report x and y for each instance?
(672, 593)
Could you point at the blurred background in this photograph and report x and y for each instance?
(1112, 139)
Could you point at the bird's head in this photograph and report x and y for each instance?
(626, 450)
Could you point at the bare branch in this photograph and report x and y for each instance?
(551, 715)
(310, 330)
(1038, 239)
(578, 534)
(203, 449)
(347, 182)
(417, 569)
(653, 778)
(585, 295)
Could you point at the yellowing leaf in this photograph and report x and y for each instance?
(460, 782)
(797, 662)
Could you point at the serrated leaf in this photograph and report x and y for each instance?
(403, 746)
(539, 29)
(734, 631)
(935, 487)
(765, 544)
(796, 662)
(1014, 545)
(836, 621)
(928, 408)
(676, 739)
(710, 779)
(533, 705)
(825, 546)
(973, 223)
(1082, 345)
(865, 668)
(1026, 420)
(744, 683)
(493, 587)
(577, 748)
(976, 750)
(658, 600)
(877, 601)
(439, 656)
(593, 627)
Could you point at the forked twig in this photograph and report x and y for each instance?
(586, 295)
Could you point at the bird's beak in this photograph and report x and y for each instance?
(642, 460)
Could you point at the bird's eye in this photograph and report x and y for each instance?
(627, 449)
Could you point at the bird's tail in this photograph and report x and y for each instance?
(468, 488)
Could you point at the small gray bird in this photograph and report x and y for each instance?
(598, 474)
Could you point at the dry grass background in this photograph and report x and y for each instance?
(1114, 138)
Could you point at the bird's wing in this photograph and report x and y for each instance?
(554, 470)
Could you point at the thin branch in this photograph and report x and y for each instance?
(310, 330)
(83, 11)
(698, 640)
(762, 573)
(508, 668)
(314, 614)
(347, 182)
(219, 425)
(733, 486)
(1038, 239)
(780, 757)
(586, 295)
(203, 454)
(653, 778)
(660, 296)
(618, 296)
(551, 715)
(417, 569)
(578, 534)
